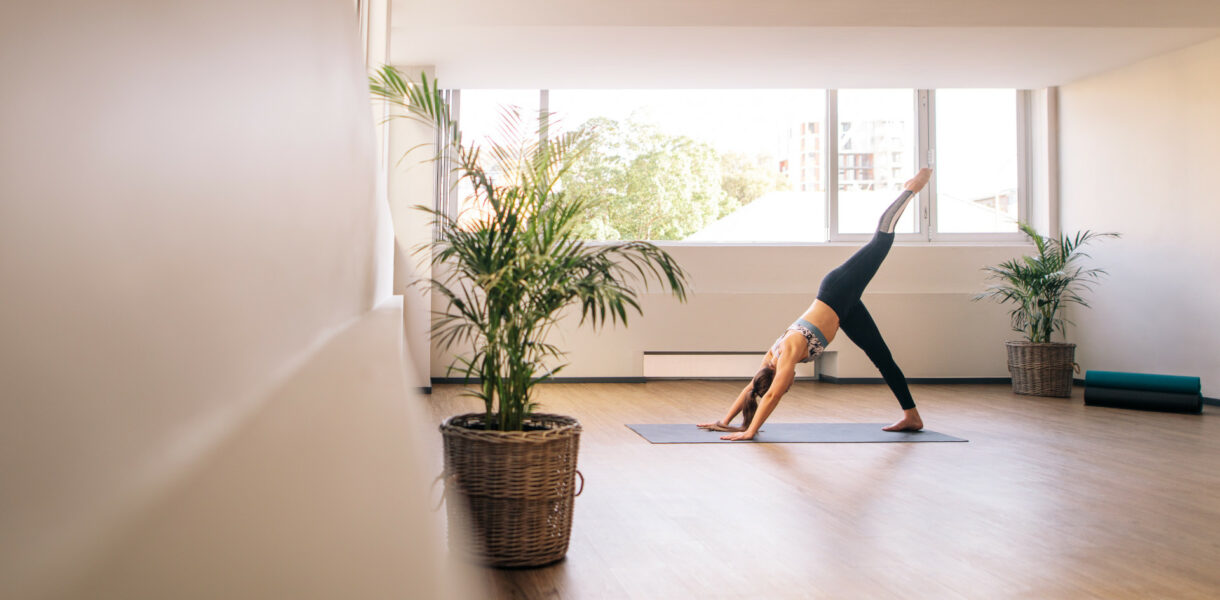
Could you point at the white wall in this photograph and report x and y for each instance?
(198, 397)
(376, 33)
(744, 296)
(412, 182)
(1140, 150)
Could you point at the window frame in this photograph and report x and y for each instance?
(1023, 100)
(925, 203)
(446, 185)
(832, 199)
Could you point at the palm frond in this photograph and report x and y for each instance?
(1040, 285)
(506, 277)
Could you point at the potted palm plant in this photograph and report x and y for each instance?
(506, 272)
(1039, 287)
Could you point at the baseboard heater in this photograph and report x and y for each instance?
(660, 365)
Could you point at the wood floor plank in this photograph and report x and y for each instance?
(1049, 499)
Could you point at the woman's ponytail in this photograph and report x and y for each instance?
(758, 389)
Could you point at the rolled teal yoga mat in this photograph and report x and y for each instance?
(1174, 384)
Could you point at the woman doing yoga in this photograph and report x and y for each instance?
(837, 307)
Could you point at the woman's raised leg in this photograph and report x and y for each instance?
(842, 287)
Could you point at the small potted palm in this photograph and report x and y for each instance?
(1039, 287)
(506, 271)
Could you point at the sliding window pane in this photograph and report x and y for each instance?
(976, 161)
(877, 148)
(482, 118)
(699, 165)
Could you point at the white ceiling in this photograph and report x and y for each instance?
(788, 43)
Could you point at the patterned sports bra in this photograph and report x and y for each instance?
(815, 341)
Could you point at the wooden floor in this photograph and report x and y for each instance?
(1049, 499)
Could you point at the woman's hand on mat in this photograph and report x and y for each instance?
(740, 436)
(718, 427)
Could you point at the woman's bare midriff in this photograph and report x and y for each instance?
(824, 318)
(821, 316)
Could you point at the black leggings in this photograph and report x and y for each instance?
(841, 290)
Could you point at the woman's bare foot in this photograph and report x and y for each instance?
(920, 179)
(910, 422)
(718, 427)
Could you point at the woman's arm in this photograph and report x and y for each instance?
(738, 404)
(785, 374)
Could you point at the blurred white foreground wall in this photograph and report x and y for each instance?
(202, 387)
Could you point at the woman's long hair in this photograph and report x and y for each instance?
(758, 389)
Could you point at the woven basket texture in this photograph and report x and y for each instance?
(512, 491)
(1041, 369)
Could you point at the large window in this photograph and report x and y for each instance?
(876, 155)
(690, 165)
(717, 166)
(481, 114)
(976, 161)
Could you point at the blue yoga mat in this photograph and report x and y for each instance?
(1174, 384)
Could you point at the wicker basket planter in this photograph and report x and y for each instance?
(512, 491)
(1041, 369)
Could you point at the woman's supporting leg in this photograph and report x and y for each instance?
(862, 330)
